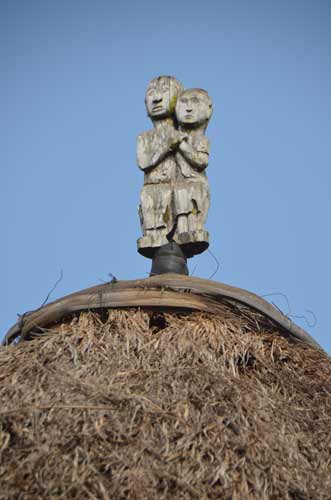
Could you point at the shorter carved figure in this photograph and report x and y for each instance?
(191, 191)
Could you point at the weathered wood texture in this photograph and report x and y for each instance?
(174, 155)
(166, 291)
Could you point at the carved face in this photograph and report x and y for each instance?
(161, 96)
(193, 108)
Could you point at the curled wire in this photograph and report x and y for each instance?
(289, 315)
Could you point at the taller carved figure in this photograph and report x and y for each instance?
(175, 197)
(156, 157)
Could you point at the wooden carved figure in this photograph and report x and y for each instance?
(156, 151)
(191, 192)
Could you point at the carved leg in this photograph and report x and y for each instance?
(156, 237)
(155, 233)
(182, 224)
(193, 222)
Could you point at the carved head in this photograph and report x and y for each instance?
(194, 108)
(161, 96)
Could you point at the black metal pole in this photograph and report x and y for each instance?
(169, 258)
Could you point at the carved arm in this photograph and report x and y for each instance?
(197, 157)
(150, 152)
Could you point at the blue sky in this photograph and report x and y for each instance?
(73, 79)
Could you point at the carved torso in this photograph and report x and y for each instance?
(184, 169)
(151, 144)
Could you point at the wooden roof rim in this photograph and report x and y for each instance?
(164, 291)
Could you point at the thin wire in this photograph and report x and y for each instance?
(217, 264)
(286, 299)
(52, 290)
(195, 268)
(311, 325)
(289, 313)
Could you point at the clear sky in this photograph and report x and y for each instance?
(72, 85)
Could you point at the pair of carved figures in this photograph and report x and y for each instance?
(175, 197)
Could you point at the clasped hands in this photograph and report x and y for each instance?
(178, 140)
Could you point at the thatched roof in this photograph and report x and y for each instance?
(152, 402)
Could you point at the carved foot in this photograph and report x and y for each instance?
(147, 245)
(193, 242)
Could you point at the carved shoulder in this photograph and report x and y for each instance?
(202, 145)
(144, 143)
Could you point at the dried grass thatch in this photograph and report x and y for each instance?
(141, 405)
